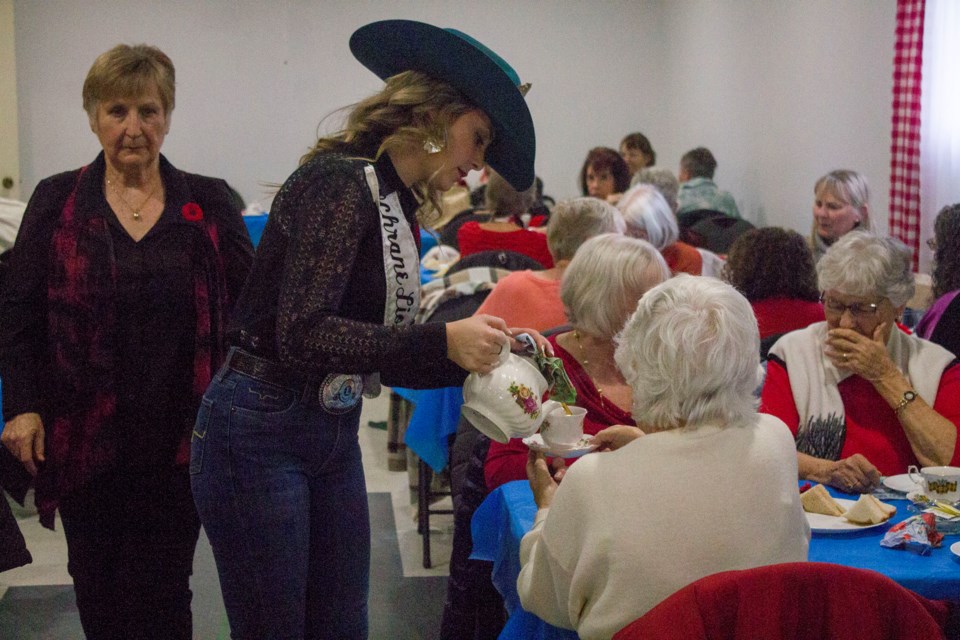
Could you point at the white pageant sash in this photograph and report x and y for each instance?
(401, 265)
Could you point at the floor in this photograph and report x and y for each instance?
(406, 600)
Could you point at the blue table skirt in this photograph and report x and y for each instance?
(255, 225)
(508, 513)
(435, 416)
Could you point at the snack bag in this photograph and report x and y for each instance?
(917, 534)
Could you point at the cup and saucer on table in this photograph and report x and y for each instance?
(938, 492)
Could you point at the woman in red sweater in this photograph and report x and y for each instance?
(505, 229)
(773, 269)
(600, 290)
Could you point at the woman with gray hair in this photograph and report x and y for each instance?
(863, 398)
(600, 290)
(841, 204)
(663, 179)
(532, 298)
(603, 549)
(649, 217)
(112, 323)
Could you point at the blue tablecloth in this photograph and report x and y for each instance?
(434, 419)
(435, 411)
(508, 513)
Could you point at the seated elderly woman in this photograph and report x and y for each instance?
(941, 322)
(665, 182)
(711, 486)
(504, 229)
(773, 268)
(841, 204)
(649, 217)
(863, 398)
(532, 298)
(600, 290)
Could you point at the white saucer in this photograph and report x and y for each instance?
(582, 446)
(901, 482)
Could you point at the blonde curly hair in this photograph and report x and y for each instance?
(412, 108)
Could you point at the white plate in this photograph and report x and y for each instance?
(901, 483)
(955, 550)
(820, 523)
(584, 445)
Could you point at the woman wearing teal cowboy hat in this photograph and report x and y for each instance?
(327, 314)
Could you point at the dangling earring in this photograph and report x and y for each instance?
(431, 146)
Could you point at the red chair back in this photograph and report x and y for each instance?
(793, 601)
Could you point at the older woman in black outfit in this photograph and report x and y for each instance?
(328, 313)
(111, 326)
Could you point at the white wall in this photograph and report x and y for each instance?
(781, 91)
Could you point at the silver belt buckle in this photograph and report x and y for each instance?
(340, 392)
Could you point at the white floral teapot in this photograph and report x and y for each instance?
(505, 403)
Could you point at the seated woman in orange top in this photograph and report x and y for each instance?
(505, 229)
(649, 217)
(773, 269)
(534, 296)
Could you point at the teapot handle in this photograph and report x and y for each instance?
(504, 353)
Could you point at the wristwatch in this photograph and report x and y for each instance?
(908, 397)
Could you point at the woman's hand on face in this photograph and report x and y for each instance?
(542, 344)
(854, 474)
(541, 479)
(866, 357)
(475, 343)
(23, 437)
(619, 435)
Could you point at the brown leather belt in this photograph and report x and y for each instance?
(269, 371)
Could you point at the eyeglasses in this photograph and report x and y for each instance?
(836, 308)
(932, 243)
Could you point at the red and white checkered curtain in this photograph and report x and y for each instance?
(905, 139)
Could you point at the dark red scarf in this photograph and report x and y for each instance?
(82, 330)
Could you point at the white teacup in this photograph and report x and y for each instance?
(560, 430)
(505, 403)
(939, 483)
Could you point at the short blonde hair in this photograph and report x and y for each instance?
(606, 279)
(850, 187)
(575, 221)
(129, 71)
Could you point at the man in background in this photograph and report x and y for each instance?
(697, 188)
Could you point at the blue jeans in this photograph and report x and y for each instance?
(279, 487)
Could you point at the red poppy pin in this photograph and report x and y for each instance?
(192, 212)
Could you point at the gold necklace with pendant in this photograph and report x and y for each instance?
(135, 211)
(583, 357)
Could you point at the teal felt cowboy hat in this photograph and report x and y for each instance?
(390, 47)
